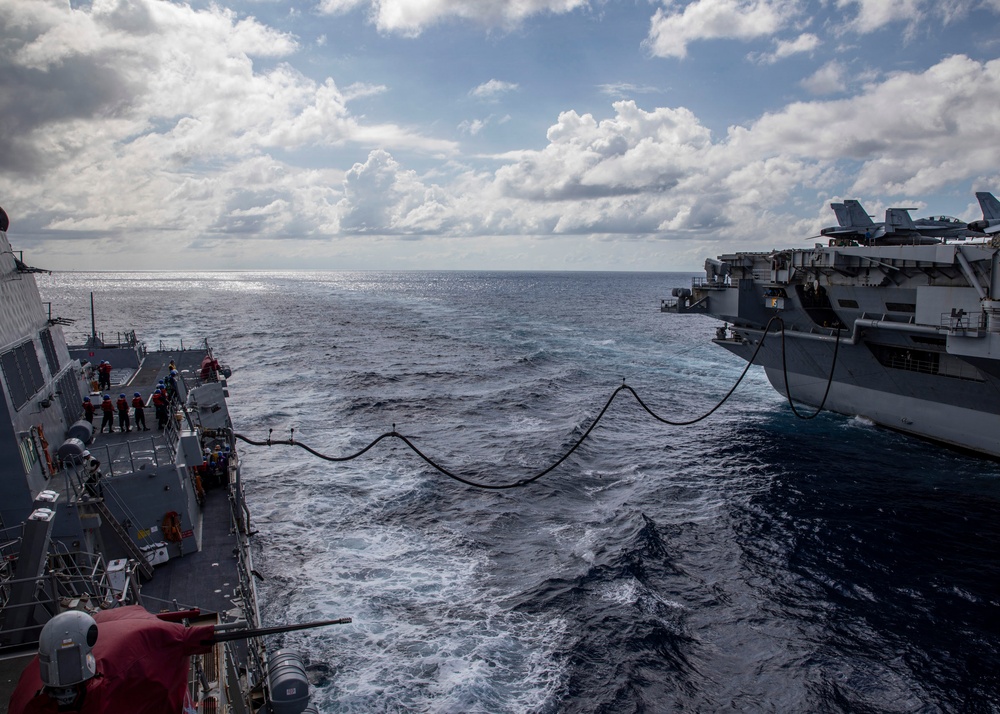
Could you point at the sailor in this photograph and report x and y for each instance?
(224, 464)
(92, 474)
(108, 409)
(140, 412)
(123, 421)
(160, 405)
(88, 410)
(172, 384)
(104, 375)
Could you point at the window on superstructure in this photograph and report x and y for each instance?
(22, 372)
(852, 304)
(69, 396)
(900, 307)
(49, 348)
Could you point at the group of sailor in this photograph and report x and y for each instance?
(214, 465)
(104, 375)
(161, 398)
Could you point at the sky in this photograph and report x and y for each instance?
(482, 135)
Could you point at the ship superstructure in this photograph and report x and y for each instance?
(94, 521)
(907, 336)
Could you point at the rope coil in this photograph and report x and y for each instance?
(622, 388)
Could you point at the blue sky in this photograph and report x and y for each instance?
(498, 134)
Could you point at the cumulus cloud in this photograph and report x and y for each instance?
(912, 132)
(122, 104)
(662, 172)
(411, 17)
(828, 79)
(153, 116)
(383, 199)
(672, 31)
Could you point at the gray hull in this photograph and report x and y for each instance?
(917, 327)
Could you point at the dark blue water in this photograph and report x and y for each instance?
(751, 562)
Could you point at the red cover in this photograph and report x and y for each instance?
(142, 667)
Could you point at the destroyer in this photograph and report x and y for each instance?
(116, 528)
(882, 321)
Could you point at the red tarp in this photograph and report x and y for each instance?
(142, 667)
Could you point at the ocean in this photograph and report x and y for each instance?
(750, 562)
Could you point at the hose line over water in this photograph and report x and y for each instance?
(607, 405)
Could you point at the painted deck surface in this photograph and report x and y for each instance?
(206, 579)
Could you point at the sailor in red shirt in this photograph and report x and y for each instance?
(104, 375)
(160, 404)
(108, 409)
(140, 412)
(123, 421)
(88, 410)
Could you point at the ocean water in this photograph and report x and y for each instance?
(750, 562)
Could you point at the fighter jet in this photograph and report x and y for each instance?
(898, 228)
(991, 213)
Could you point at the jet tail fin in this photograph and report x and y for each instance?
(843, 217)
(857, 215)
(898, 219)
(989, 204)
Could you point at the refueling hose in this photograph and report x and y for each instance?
(623, 388)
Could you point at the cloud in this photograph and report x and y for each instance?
(912, 133)
(124, 104)
(670, 33)
(806, 42)
(828, 79)
(620, 90)
(873, 15)
(412, 17)
(473, 126)
(360, 89)
(662, 172)
(490, 91)
(152, 119)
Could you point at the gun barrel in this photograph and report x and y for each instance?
(261, 631)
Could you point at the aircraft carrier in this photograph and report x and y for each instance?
(897, 322)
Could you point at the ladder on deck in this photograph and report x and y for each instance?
(144, 567)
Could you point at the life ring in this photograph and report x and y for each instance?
(172, 527)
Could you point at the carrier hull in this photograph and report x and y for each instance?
(905, 336)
